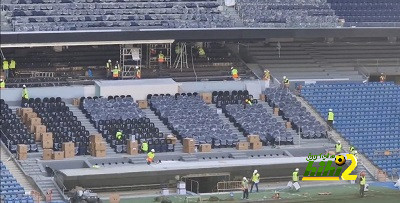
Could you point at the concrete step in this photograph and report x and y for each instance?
(239, 155)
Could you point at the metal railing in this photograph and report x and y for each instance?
(193, 185)
(227, 186)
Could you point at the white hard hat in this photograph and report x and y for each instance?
(137, 67)
(255, 171)
(284, 77)
(1, 79)
(244, 178)
(231, 67)
(152, 150)
(23, 86)
(297, 169)
(330, 110)
(338, 141)
(109, 60)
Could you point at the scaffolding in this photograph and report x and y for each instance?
(130, 57)
(154, 50)
(181, 60)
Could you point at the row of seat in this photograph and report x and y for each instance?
(10, 190)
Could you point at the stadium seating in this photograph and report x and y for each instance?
(36, 82)
(368, 13)
(121, 113)
(60, 15)
(367, 115)
(188, 116)
(255, 119)
(286, 13)
(223, 98)
(59, 120)
(293, 112)
(10, 190)
(13, 131)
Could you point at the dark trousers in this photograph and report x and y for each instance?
(362, 190)
(252, 184)
(246, 193)
(330, 123)
(23, 102)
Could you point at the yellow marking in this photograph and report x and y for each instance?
(320, 178)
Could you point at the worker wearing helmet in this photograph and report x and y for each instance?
(108, 68)
(295, 178)
(245, 188)
(150, 156)
(138, 73)
(382, 78)
(235, 74)
(255, 179)
(25, 95)
(267, 75)
(285, 82)
(338, 147)
(2, 83)
(331, 118)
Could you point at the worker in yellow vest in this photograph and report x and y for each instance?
(145, 146)
(2, 83)
(286, 82)
(331, 118)
(115, 73)
(338, 147)
(108, 68)
(161, 60)
(235, 74)
(363, 182)
(5, 68)
(118, 135)
(150, 156)
(25, 95)
(295, 178)
(255, 179)
(202, 53)
(267, 75)
(138, 73)
(12, 67)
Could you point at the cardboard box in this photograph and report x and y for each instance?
(132, 151)
(188, 142)
(96, 138)
(28, 116)
(47, 154)
(58, 155)
(172, 139)
(47, 144)
(262, 97)
(76, 102)
(68, 146)
(253, 138)
(69, 153)
(22, 156)
(132, 144)
(288, 125)
(22, 149)
(98, 146)
(25, 110)
(256, 145)
(207, 97)
(46, 136)
(100, 153)
(276, 111)
(142, 104)
(34, 121)
(242, 146)
(205, 148)
(40, 129)
(189, 149)
(114, 198)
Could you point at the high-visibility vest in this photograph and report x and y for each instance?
(12, 64)
(138, 74)
(145, 147)
(351, 150)
(2, 84)
(115, 72)
(286, 81)
(108, 65)
(331, 116)
(255, 178)
(25, 93)
(248, 101)
(5, 65)
(266, 76)
(234, 71)
(338, 147)
(118, 135)
(150, 156)
(161, 58)
(363, 180)
(295, 176)
(201, 52)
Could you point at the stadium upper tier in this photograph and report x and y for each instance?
(64, 15)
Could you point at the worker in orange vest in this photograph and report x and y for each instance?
(138, 73)
(115, 73)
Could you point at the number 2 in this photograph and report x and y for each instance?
(346, 174)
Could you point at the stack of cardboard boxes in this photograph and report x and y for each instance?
(97, 146)
(142, 104)
(132, 147)
(205, 148)
(242, 145)
(76, 102)
(22, 152)
(254, 141)
(47, 154)
(47, 140)
(207, 97)
(69, 149)
(188, 145)
(58, 155)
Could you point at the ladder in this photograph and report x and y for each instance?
(154, 50)
(181, 58)
(130, 57)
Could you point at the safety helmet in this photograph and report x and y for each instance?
(232, 68)
(109, 60)
(1, 79)
(355, 152)
(23, 86)
(137, 67)
(284, 77)
(330, 110)
(338, 141)
(152, 150)
(244, 178)
(255, 171)
(297, 169)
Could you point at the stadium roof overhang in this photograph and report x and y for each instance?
(101, 37)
